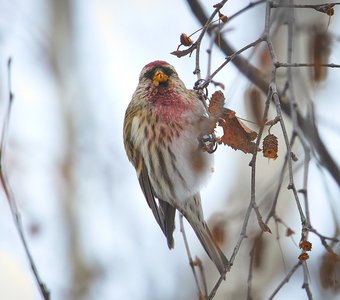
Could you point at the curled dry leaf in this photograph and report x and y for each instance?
(216, 105)
(235, 133)
(180, 53)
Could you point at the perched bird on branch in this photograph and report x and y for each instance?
(161, 129)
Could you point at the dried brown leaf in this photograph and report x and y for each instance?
(235, 133)
(181, 53)
(216, 104)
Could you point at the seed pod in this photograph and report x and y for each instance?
(305, 245)
(185, 40)
(223, 18)
(320, 48)
(270, 146)
(303, 256)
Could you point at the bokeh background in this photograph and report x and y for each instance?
(75, 65)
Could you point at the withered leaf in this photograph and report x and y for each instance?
(216, 104)
(180, 53)
(235, 133)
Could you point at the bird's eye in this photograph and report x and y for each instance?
(149, 74)
(168, 71)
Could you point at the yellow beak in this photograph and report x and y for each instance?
(159, 77)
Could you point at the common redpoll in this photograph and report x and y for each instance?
(161, 129)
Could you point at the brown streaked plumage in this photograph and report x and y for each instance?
(161, 130)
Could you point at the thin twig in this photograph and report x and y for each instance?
(228, 60)
(299, 65)
(187, 248)
(9, 193)
(305, 285)
(285, 280)
(202, 34)
(252, 164)
(251, 265)
(313, 6)
(241, 11)
(289, 154)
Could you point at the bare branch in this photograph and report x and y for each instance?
(202, 294)
(285, 280)
(9, 193)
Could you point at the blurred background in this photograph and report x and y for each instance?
(75, 66)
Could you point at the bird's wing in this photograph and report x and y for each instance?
(145, 184)
(164, 213)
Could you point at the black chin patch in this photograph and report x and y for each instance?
(164, 83)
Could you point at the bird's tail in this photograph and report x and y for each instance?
(214, 252)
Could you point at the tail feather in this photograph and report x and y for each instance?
(214, 252)
(169, 213)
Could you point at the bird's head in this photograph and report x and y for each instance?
(163, 92)
(158, 74)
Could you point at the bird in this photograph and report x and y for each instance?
(161, 130)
